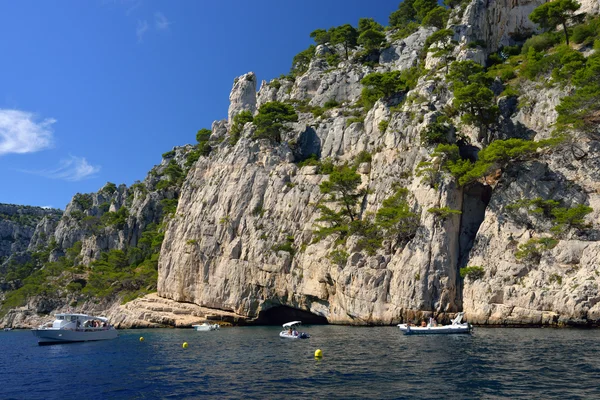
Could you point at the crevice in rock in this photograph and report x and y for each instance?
(476, 198)
(279, 315)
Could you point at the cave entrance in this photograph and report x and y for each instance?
(279, 315)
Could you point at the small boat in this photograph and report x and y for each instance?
(432, 329)
(290, 331)
(7, 329)
(206, 327)
(68, 328)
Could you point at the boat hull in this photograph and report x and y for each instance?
(436, 330)
(300, 335)
(55, 336)
(205, 328)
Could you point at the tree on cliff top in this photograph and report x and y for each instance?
(557, 12)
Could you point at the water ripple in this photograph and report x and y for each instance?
(358, 363)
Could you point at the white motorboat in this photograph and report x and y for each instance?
(290, 331)
(206, 327)
(433, 329)
(75, 328)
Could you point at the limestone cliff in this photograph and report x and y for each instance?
(237, 206)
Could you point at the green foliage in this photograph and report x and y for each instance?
(169, 154)
(324, 167)
(444, 45)
(570, 218)
(438, 132)
(343, 182)
(370, 237)
(333, 59)
(366, 24)
(240, 119)
(169, 206)
(395, 217)
(109, 188)
(586, 33)
(553, 13)
(385, 84)
(363, 157)
(541, 42)
(275, 84)
(331, 103)
(473, 272)
(555, 278)
(346, 35)
(464, 73)
(271, 118)
(441, 214)
(532, 250)
(117, 219)
(477, 104)
(436, 17)
(338, 257)
(581, 109)
(353, 120)
(85, 201)
(302, 60)
(405, 14)
(498, 154)
(429, 173)
(563, 63)
(321, 36)
(383, 125)
(203, 135)
(371, 39)
(287, 246)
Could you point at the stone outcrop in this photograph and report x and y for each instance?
(243, 95)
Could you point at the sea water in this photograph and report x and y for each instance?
(357, 363)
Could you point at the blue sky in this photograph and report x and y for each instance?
(94, 91)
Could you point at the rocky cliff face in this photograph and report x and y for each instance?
(19, 224)
(236, 207)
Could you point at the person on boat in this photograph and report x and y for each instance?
(295, 333)
(423, 324)
(290, 331)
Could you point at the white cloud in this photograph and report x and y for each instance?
(142, 27)
(161, 22)
(20, 132)
(71, 169)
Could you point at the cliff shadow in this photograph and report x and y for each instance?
(279, 315)
(308, 145)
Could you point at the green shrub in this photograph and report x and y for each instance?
(438, 132)
(241, 119)
(541, 42)
(532, 250)
(472, 272)
(395, 217)
(441, 214)
(385, 84)
(287, 246)
(363, 157)
(555, 278)
(331, 103)
(117, 218)
(203, 135)
(169, 206)
(85, 201)
(301, 61)
(333, 59)
(338, 257)
(383, 125)
(275, 84)
(271, 118)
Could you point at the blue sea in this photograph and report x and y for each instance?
(357, 363)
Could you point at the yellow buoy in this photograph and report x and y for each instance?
(185, 345)
(318, 353)
(141, 338)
